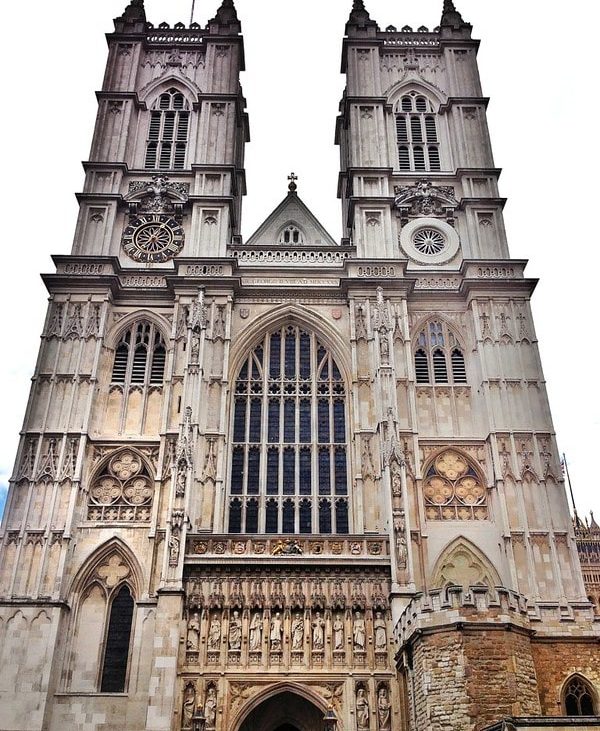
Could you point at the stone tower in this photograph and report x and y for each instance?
(290, 482)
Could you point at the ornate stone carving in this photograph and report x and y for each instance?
(235, 631)
(380, 628)
(113, 571)
(338, 633)
(358, 632)
(425, 199)
(218, 328)
(362, 708)
(74, 323)
(48, 463)
(159, 195)
(453, 490)
(360, 323)
(210, 460)
(210, 707)
(276, 633)
(193, 633)
(256, 632)
(318, 632)
(297, 632)
(384, 708)
(189, 706)
(123, 490)
(214, 633)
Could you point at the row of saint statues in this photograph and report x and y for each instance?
(303, 630)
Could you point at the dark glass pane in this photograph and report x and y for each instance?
(273, 420)
(407, 104)
(275, 361)
(459, 372)
(401, 129)
(155, 118)
(289, 471)
(339, 422)
(243, 374)
(114, 669)
(253, 470)
(341, 516)
(252, 516)
(239, 420)
(255, 371)
(587, 705)
(324, 516)
(419, 155)
(290, 355)
(289, 420)
(323, 411)
(304, 355)
(305, 517)
(305, 472)
(305, 420)
(235, 516)
(324, 472)
(182, 128)
(150, 161)
(288, 517)
(237, 471)
(341, 479)
(259, 352)
(271, 517)
(255, 420)
(571, 706)
(335, 372)
(324, 375)
(272, 472)
(421, 104)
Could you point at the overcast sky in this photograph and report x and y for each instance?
(538, 64)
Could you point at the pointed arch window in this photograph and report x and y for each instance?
(417, 134)
(439, 357)
(140, 356)
(579, 698)
(122, 490)
(289, 459)
(118, 638)
(168, 132)
(291, 235)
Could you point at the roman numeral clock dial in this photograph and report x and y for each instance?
(153, 238)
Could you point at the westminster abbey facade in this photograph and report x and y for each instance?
(291, 483)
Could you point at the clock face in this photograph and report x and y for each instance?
(153, 237)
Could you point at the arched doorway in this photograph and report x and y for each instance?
(284, 712)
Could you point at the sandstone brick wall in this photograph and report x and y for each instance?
(463, 680)
(556, 661)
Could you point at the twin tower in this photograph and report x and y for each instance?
(290, 483)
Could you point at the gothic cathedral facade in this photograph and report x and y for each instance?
(291, 483)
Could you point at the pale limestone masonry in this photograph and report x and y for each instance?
(321, 475)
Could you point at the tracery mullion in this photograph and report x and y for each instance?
(314, 434)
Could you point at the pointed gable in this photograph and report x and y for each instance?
(291, 224)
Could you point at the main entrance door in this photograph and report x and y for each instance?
(284, 712)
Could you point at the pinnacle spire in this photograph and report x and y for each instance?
(359, 14)
(134, 12)
(226, 13)
(450, 15)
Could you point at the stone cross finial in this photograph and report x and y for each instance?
(292, 177)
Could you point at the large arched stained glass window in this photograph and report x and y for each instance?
(289, 461)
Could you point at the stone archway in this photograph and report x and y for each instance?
(285, 711)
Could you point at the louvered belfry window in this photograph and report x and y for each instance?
(439, 358)
(417, 134)
(289, 461)
(140, 356)
(168, 132)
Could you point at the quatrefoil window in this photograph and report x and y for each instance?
(122, 491)
(453, 490)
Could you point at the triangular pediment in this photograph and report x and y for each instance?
(291, 224)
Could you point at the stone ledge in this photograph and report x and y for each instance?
(533, 723)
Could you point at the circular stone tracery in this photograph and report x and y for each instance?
(123, 491)
(453, 490)
(429, 241)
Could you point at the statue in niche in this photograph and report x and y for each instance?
(358, 632)
(235, 632)
(297, 632)
(318, 632)
(362, 710)
(174, 544)
(256, 630)
(338, 633)
(276, 633)
(193, 633)
(210, 707)
(214, 634)
(189, 706)
(384, 346)
(384, 709)
(360, 322)
(380, 632)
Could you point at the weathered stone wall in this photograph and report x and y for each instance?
(556, 661)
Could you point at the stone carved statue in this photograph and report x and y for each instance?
(210, 707)
(297, 632)
(380, 632)
(276, 633)
(189, 706)
(358, 632)
(338, 633)
(362, 710)
(214, 634)
(318, 632)
(256, 630)
(235, 632)
(193, 633)
(384, 709)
